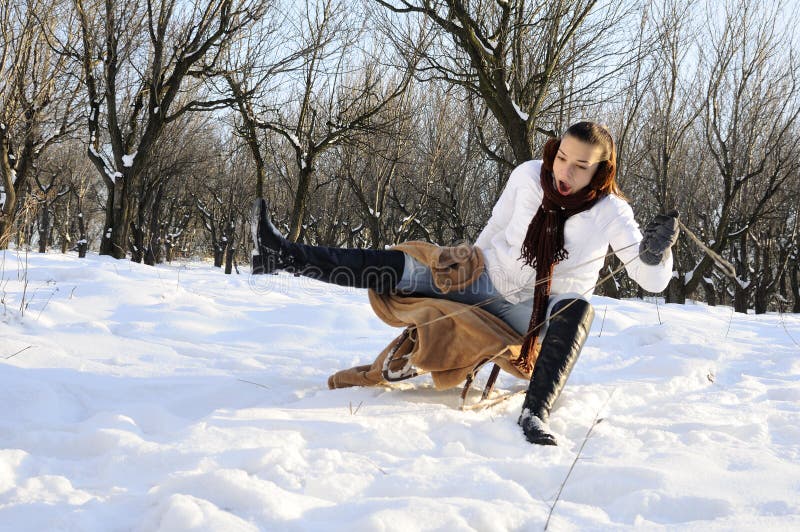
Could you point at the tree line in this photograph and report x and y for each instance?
(143, 129)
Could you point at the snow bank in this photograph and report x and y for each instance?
(178, 398)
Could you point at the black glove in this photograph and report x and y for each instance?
(659, 235)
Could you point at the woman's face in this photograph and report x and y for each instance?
(575, 165)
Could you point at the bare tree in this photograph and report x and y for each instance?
(751, 109)
(793, 266)
(514, 55)
(219, 184)
(660, 157)
(36, 99)
(144, 66)
(773, 243)
(370, 165)
(49, 188)
(251, 72)
(82, 189)
(339, 91)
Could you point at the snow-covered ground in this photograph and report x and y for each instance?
(178, 398)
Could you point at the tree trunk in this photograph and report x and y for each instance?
(64, 230)
(108, 227)
(740, 299)
(794, 281)
(609, 288)
(122, 219)
(517, 132)
(152, 252)
(300, 201)
(676, 290)
(5, 231)
(13, 171)
(761, 301)
(137, 251)
(83, 243)
(83, 246)
(137, 230)
(10, 204)
(229, 250)
(44, 228)
(711, 293)
(782, 289)
(158, 250)
(741, 294)
(219, 249)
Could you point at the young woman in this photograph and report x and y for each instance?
(543, 248)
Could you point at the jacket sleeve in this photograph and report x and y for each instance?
(503, 210)
(624, 236)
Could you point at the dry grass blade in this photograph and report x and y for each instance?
(18, 352)
(597, 420)
(255, 383)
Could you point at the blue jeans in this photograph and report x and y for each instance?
(418, 280)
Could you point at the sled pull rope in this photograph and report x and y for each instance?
(726, 267)
(498, 297)
(496, 369)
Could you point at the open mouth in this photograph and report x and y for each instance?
(563, 188)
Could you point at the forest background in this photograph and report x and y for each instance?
(143, 129)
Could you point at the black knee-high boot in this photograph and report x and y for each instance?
(566, 333)
(380, 270)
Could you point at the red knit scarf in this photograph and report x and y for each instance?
(543, 247)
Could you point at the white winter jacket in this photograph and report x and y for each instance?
(586, 237)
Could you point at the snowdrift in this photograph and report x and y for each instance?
(177, 398)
